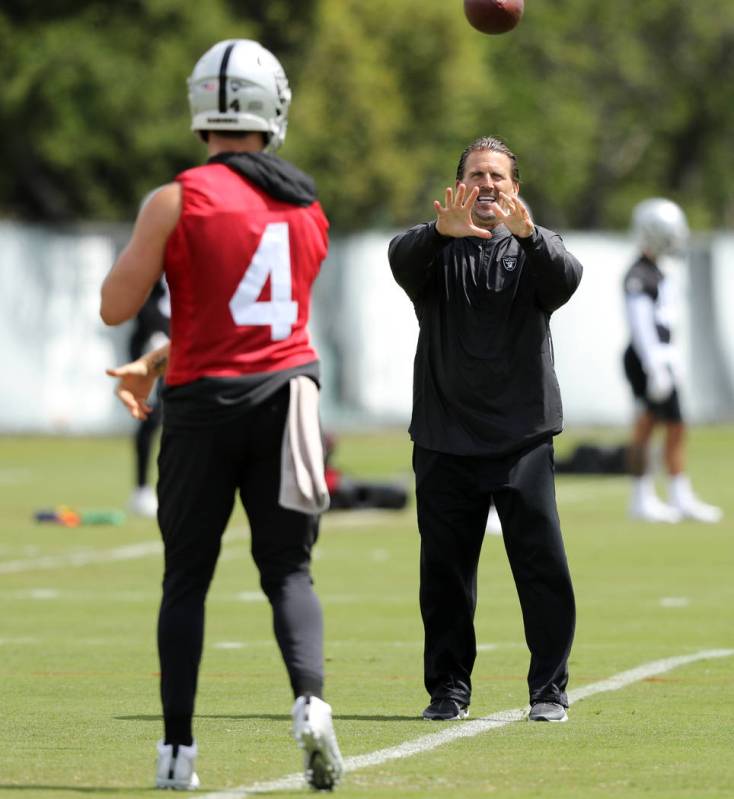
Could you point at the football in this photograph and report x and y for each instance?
(493, 16)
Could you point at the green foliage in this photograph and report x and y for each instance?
(94, 111)
(604, 103)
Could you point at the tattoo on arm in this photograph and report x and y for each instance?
(159, 364)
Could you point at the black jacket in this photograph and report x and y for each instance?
(483, 381)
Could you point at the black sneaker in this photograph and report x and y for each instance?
(444, 709)
(547, 711)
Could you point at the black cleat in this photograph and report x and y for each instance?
(444, 709)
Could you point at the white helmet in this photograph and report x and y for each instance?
(239, 85)
(660, 227)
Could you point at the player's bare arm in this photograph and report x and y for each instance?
(454, 218)
(136, 380)
(140, 264)
(513, 214)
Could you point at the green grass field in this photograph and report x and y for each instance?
(80, 713)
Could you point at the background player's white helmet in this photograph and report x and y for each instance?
(238, 85)
(660, 227)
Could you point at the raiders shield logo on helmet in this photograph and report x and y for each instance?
(509, 263)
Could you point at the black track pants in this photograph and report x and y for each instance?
(200, 474)
(453, 498)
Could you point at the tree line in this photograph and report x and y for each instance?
(604, 103)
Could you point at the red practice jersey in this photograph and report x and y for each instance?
(240, 265)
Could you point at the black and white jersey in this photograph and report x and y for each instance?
(650, 308)
(484, 382)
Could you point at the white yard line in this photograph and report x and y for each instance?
(82, 558)
(359, 518)
(11, 477)
(230, 549)
(586, 490)
(468, 729)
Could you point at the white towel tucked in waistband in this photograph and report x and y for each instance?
(302, 481)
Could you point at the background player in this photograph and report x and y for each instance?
(651, 364)
(150, 332)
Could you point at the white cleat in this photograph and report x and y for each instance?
(314, 733)
(176, 771)
(685, 501)
(144, 502)
(653, 509)
(700, 512)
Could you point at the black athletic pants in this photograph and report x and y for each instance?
(453, 498)
(200, 473)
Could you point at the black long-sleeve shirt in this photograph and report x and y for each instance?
(484, 382)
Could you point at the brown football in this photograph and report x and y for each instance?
(493, 16)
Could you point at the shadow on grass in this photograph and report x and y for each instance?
(86, 789)
(272, 717)
(92, 790)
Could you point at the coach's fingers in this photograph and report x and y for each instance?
(471, 198)
(509, 203)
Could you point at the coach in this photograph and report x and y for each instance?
(484, 281)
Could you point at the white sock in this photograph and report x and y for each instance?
(643, 489)
(680, 490)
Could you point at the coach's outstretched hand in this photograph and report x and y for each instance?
(514, 215)
(454, 218)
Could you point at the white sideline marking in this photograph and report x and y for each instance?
(357, 518)
(675, 602)
(468, 729)
(82, 558)
(251, 596)
(584, 490)
(43, 593)
(19, 640)
(130, 552)
(10, 477)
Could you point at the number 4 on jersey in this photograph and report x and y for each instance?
(272, 258)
